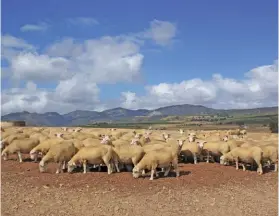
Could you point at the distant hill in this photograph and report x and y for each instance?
(83, 117)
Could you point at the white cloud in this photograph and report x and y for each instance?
(78, 67)
(162, 32)
(259, 88)
(35, 67)
(11, 46)
(87, 21)
(35, 27)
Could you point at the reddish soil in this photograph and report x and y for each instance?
(202, 189)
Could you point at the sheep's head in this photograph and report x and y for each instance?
(225, 138)
(135, 141)
(223, 160)
(191, 138)
(136, 172)
(33, 154)
(106, 139)
(42, 166)
(77, 129)
(146, 138)
(138, 136)
(166, 136)
(59, 135)
(180, 142)
(70, 166)
(201, 143)
(4, 155)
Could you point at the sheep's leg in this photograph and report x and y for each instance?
(260, 168)
(275, 167)
(59, 167)
(107, 163)
(19, 157)
(152, 174)
(167, 171)
(143, 172)
(84, 167)
(64, 165)
(243, 167)
(100, 168)
(175, 166)
(207, 158)
(116, 166)
(236, 164)
(195, 158)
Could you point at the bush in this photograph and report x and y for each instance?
(273, 125)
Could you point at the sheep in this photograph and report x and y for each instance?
(60, 154)
(94, 155)
(213, 148)
(270, 154)
(19, 147)
(129, 154)
(5, 142)
(181, 131)
(245, 155)
(161, 158)
(191, 149)
(43, 148)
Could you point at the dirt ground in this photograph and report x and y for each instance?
(202, 189)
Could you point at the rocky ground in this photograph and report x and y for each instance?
(202, 189)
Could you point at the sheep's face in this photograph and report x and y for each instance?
(225, 138)
(42, 166)
(5, 156)
(223, 160)
(34, 155)
(201, 143)
(146, 139)
(105, 140)
(70, 167)
(134, 141)
(191, 138)
(180, 142)
(136, 172)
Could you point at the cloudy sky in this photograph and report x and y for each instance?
(93, 55)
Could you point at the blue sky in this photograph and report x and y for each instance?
(201, 38)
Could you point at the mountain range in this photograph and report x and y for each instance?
(83, 117)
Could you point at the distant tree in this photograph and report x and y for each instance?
(273, 125)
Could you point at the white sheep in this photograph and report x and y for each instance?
(213, 149)
(20, 146)
(60, 154)
(43, 147)
(270, 154)
(94, 155)
(162, 158)
(244, 155)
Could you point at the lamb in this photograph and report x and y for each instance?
(162, 158)
(213, 148)
(94, 155)
(19, 147)
(245, 155)
(270, 154)
(60, 154)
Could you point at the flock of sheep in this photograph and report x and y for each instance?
(138, 150)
